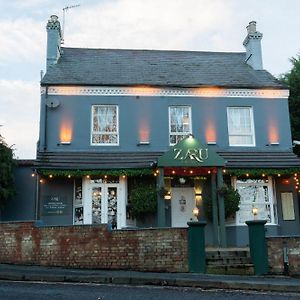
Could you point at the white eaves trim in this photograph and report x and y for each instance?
(155, 91)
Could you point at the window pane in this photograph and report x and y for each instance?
(105, 124)
(179, 123)
(240, 128)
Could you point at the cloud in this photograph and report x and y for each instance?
(19, 115)
(22, 40)
(148, 24)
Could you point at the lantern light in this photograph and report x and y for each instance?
(254, 211)
(196, 211)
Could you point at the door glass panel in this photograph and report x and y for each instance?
(112, 199)
(96, 205)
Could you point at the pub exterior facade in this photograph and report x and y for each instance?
(185, 121)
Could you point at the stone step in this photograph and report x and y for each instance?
(243, 269)
(229, 261)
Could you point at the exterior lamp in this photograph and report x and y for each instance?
(198, 197)
(254, 211)
(167, 196)
(195, 212)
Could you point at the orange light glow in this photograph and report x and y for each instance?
(208, 91)
(66, 132)
(210, 132)
(273, 132)
(144, 132)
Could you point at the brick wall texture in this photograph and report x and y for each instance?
(275, 254)
(88, 246)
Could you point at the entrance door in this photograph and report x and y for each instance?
(182, 204)
(104, 204)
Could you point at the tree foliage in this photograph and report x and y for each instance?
(292, 79)
(6, 172)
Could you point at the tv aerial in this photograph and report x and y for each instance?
(65, 9)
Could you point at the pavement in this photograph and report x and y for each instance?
(205, 281)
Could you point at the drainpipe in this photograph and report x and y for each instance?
(46, 120)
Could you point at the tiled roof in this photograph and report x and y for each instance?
(123, 160)
(109, 67)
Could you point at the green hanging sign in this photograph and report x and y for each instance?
(189, 152)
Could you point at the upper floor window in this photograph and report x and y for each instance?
(240, 126)
(179, 123)
(105, 125)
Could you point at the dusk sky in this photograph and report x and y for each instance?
(201, 25)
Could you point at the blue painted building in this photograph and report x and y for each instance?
(109, 115)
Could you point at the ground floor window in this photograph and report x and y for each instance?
(256, 195)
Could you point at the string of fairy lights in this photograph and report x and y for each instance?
(288, 176)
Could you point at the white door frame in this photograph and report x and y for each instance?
(121, 202)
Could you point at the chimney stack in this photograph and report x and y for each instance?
(53, 41)
(252, 43)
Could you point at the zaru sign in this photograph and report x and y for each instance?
(191, 154)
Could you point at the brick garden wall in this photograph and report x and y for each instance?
(88, 246)
(275, 254)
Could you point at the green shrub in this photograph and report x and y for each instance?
(231, 202)
(142, 200)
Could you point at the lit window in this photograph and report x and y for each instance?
(240, 126)
(105, 127)
(179, 123)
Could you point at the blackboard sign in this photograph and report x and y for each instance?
(55, 206)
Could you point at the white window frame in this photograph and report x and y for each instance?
(272, 201)
(241, 134)
(190, 122)
(105, 133)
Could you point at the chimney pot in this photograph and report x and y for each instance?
(53, 18)
(251, 28)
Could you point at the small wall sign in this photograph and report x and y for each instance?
(54, 205)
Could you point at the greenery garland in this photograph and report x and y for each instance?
(109, 172)
(260, 172)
